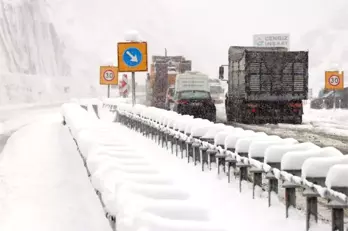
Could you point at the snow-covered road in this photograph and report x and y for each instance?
(322, 127)
(14, 117)
(43, 182)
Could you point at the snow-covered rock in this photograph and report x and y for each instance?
(294, 160)
(337, 176)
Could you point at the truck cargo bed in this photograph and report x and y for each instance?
(268, 75)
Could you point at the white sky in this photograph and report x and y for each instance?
(202, 30)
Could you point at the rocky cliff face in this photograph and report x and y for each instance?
(28, 40)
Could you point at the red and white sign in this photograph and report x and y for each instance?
(334, 80)
(123, 86)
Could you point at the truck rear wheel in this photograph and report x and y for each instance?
(229, 117)
(297, 120)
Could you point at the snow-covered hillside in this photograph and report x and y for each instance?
(33, 57)
(28, 40)
(62, 44)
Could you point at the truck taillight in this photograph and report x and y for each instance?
(182, 101)
(295, 105)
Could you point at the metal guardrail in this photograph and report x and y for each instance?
(339, 201)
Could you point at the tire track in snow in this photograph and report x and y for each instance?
(302, 135)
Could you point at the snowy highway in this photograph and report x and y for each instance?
(79, 153)
(43, 182)
(50, 182)
(13, 118)
(322, 127)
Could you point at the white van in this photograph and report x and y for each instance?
(192, 95)
(216, 91)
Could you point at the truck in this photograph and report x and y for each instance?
(163, 71)
(265, 85)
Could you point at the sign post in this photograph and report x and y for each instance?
(132, 57)
(108, 76)
(334, 80)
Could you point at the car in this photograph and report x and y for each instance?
(196, 103)
(327, 100)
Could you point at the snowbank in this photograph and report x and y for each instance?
(44, 184)
(242, 143)
(154, 222)
(337, 176)
(130, 184)
(232, 137)
(258, 147)
(275, 153)
(319, 167)
(294, 160)
(199, 131)
(180, 122)
(211, 133)
(197, 122)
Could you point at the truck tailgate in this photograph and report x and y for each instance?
(276, 75)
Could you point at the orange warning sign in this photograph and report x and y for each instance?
(108, 75)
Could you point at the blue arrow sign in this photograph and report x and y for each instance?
(132, 57)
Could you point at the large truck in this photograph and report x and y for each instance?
(265, 85)
(163, 71)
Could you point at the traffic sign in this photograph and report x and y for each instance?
(132, 56)
(108, 75)
(334, 80)
(123, 86)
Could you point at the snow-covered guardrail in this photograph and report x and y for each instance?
(278, 160)
(135, 194)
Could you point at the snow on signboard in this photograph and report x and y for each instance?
(271, 40)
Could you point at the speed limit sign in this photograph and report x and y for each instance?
(334, 80)
(108, 75)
